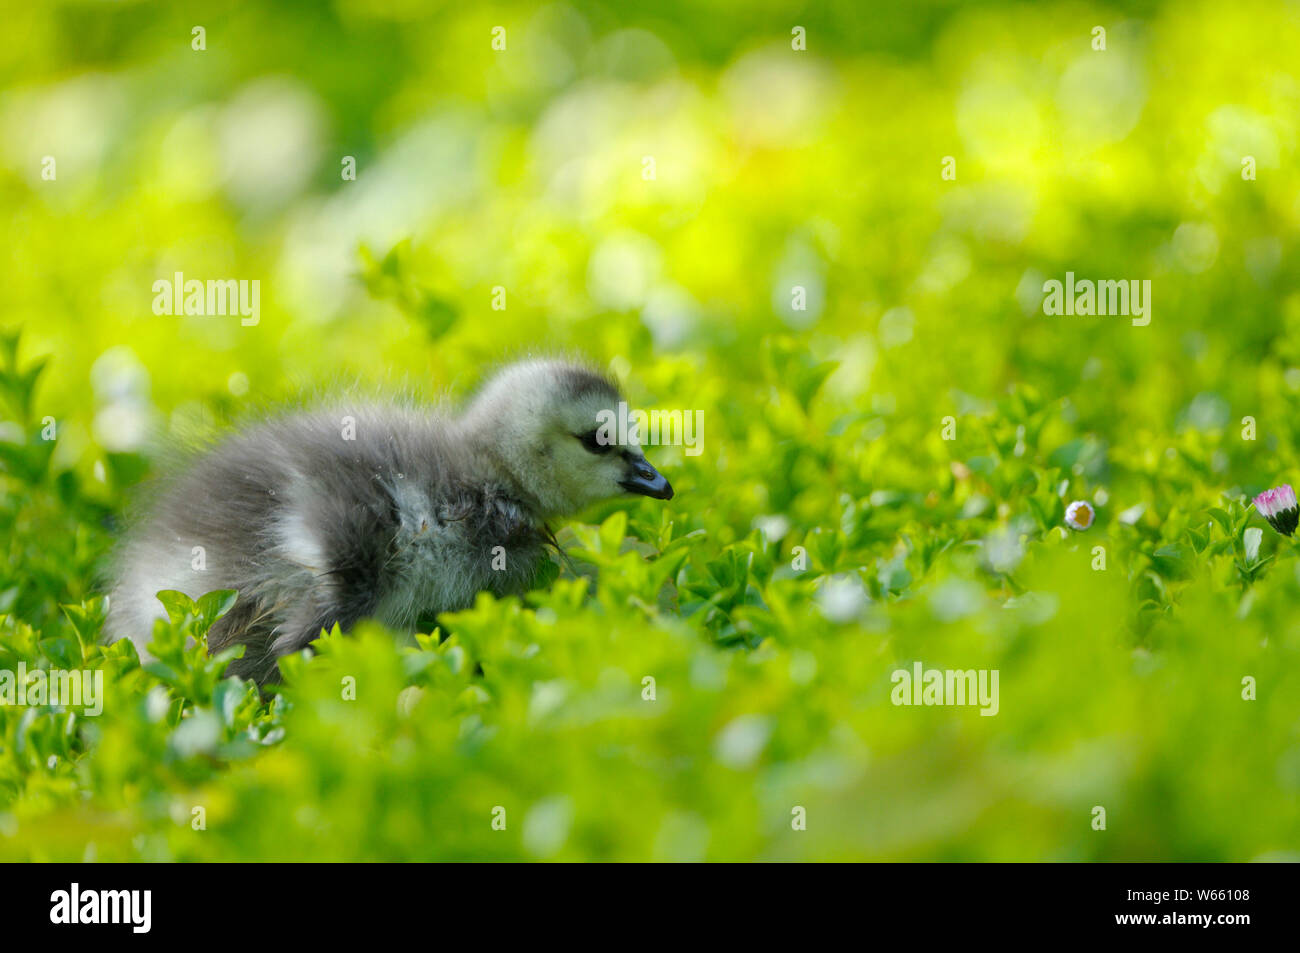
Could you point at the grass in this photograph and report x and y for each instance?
(884, 478)
(702, 689)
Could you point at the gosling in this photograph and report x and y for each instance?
(379, 511)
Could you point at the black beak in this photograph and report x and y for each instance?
(646, 480)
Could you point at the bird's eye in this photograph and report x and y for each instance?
(592, 443)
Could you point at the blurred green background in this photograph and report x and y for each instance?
(524, 168)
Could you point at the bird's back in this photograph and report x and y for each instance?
(323, 517)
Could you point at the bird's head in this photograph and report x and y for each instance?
(554, 427)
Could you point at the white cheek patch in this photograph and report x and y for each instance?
(601, 481)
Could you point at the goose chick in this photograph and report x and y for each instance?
(385, 511)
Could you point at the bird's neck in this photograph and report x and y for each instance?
(488, 466)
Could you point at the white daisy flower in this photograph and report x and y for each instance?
(1079, 515)
(1278, 506)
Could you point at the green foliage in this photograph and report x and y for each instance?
(707, 665)
(1119, 687)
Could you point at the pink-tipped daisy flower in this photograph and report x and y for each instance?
(1278, 506)
(1079, 515)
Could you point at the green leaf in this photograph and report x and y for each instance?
(177, 604)
(1223, 519)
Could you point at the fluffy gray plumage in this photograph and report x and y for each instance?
(387, 511)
